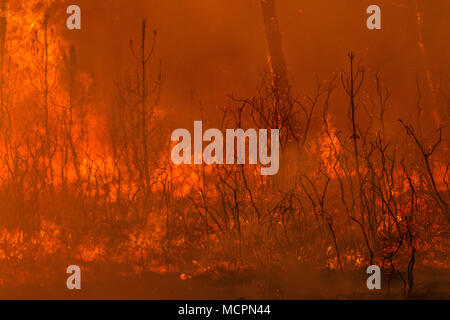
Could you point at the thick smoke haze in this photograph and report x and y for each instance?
(137, 173)
(210, 49)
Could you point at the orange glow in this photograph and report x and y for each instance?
(86, 176)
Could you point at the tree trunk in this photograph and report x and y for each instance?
(2, 55)
(274, 46)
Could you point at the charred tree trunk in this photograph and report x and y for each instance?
(275, 54)
(70, 117)
(421, 44)
(144, 112)
(2, 55)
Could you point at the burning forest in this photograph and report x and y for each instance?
(350, 126)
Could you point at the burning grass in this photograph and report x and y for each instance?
(346, 196)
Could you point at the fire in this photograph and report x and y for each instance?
(85, 181)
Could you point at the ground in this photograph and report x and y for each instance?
(106, 283)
